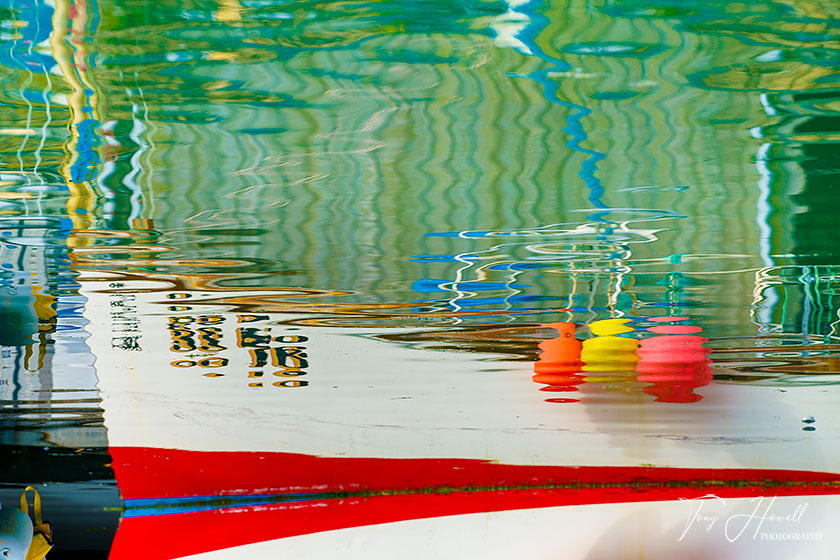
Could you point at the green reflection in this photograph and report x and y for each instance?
(438, 158)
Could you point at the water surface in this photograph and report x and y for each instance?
(408, 199)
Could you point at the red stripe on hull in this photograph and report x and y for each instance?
(193, 533)
(170, 473)
(411, 489)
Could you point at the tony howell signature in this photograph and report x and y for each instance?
(707, 512)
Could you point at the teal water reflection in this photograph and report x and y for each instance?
(459, 172)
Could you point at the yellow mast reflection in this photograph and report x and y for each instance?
(67, 44)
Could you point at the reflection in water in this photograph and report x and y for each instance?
(674, 363)
(560, 362)
(474, 180)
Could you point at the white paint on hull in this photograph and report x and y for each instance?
(371, 398)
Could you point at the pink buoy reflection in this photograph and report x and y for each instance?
(675, 364)
(675, 329)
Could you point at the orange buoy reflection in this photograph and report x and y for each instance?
(559, 362)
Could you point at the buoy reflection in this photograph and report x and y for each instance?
(669, 356)
(559, 362)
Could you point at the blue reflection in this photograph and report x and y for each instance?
(551, 87)
(20, 53)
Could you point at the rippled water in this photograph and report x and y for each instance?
(647, 190)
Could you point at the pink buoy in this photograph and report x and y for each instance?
(675, 365)
(675, 329)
